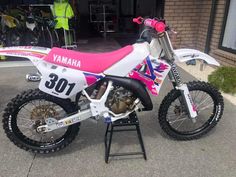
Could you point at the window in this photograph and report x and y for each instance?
(228, 34)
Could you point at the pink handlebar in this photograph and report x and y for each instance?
(157, 25)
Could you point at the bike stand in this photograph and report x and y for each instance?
(132, 121)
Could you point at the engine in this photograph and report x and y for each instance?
(120, 100)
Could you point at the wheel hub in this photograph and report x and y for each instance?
(43, 112)
(40, 113)
(178, 110)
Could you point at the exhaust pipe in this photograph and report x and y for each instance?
(33, 77)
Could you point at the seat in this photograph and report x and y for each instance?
(89, 62)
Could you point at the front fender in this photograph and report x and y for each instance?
(183, 55)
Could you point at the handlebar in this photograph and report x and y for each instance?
(159, 26)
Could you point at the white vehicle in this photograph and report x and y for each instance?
(76, 86)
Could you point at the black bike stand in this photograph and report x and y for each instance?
(132, 121)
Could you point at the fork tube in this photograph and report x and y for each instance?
(174, 75)
(166, 45)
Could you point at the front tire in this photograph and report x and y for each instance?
(27, 111)
(174, 120)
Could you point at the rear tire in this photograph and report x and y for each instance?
(14, 131)
(174, 95)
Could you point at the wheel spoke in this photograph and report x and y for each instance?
(202, 102)
(171, 122)
(26, 109)
(180, 124)
(204, 108)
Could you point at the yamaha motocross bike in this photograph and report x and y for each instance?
(76, 86)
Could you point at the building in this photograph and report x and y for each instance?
(206, 25)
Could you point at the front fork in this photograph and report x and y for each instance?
(175, 77)
(186, 97)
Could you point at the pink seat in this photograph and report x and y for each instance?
(89, 62)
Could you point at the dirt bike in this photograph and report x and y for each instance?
(76, 86)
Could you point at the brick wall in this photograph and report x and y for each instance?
(204, 16)
(225, 58)
(190, 19)
(182, 16)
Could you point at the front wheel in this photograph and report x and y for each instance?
(174, 119)
(29, 110)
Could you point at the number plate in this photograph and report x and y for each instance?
(61, 82)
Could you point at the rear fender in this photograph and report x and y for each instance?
(33, 53)
(183, 55)
(59, 81)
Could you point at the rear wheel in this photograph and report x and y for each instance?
(173, 116)
(29, 110)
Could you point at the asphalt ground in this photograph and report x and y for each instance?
(213, 155)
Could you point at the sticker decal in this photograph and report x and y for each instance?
(92, 78)
(152, 73)
(60, 81)
(60, 85)
(58, 59)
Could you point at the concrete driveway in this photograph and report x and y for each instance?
(212, 155)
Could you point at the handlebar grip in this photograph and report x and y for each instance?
(157, 25)
(150, 22)
(160, 27)
(138, 20)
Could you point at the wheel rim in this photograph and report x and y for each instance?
(32, 114)
(178, 119)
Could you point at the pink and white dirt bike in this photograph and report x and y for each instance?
(76, 86)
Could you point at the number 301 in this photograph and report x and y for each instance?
(60, 85)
